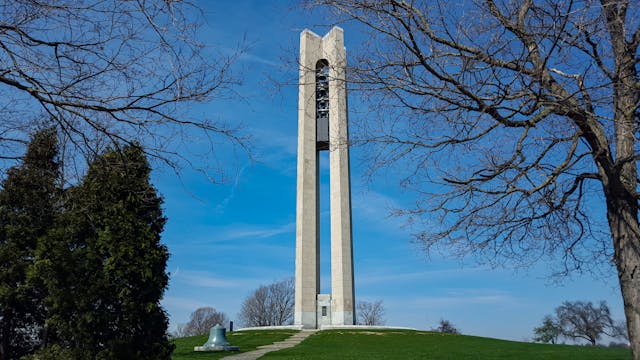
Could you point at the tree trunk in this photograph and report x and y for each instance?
(622, 213)
(621, 181)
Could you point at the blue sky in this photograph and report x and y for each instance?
(226, 240)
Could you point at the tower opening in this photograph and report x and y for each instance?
(324, 226)
(322, 105)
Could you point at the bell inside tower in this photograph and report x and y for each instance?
(322, 105)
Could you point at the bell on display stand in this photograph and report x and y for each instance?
(217, 341)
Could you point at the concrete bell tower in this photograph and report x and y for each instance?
(322, 126)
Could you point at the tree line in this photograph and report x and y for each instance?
(269, 305)
(580, 320)
(82, 268)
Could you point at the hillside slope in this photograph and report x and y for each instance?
(393, 344)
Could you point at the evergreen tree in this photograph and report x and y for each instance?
(29, 200)
(105, 266)
(548, 332)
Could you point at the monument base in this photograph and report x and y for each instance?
(342, 318)
(305, 319)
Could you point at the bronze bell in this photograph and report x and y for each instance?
(217, 341)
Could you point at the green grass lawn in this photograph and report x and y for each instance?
(246, 340)
(396, 344)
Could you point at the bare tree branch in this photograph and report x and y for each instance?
(515, 123)
(113, 72)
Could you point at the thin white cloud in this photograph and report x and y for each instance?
(204, 279)
(227, 235)
(240, 231)
(373, 210)
(374, 204)
(232, 193)
(243, 55)
(181, 303)
(388, 278)
(464, 297)
(248, 57)
(276, 148)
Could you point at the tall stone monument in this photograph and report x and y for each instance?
(322, 126)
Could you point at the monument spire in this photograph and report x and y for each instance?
(322, 126)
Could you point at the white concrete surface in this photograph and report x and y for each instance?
(313, 48)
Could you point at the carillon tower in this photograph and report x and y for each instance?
(322, 126)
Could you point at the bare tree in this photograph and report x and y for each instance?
(269, 305)
(282, 296)
(582, 320)
(447, 327)
(109, 73)
(254, 310)
(201, 321)
(370, 313)
(515, 122)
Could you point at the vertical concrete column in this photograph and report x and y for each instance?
(307, 204)
(329, 49)
(342, 284)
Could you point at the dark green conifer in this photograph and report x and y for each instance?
(105, 265)
(29, 201)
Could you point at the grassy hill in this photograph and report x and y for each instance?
(396, 344)
(246, 340)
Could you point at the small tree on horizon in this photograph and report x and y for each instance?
(201, 321)
(370, 313)
(269, 305)
(447, 327)
(548, 332)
